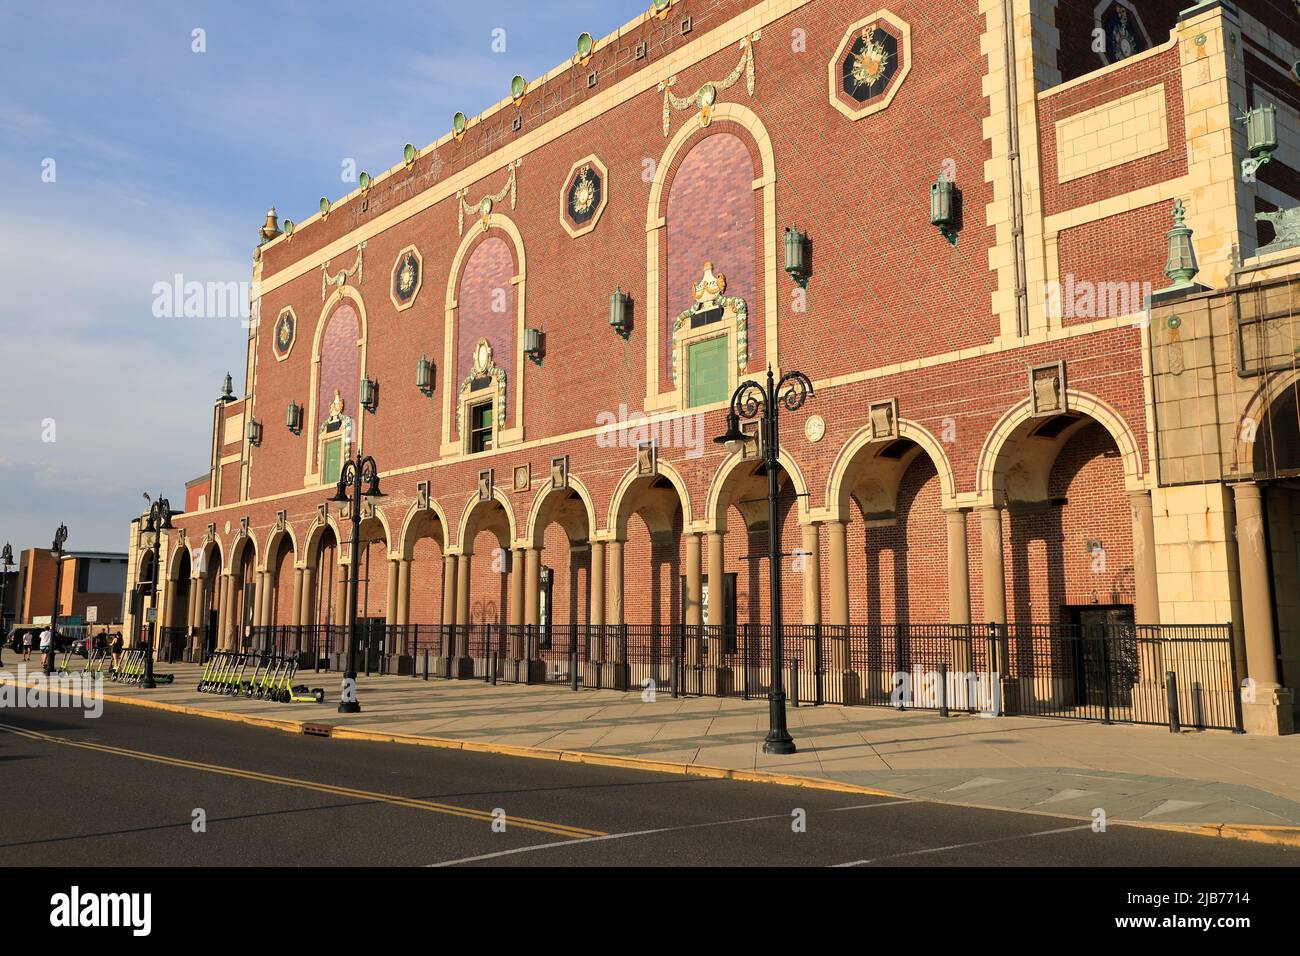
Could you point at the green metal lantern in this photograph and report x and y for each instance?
(945, 201)
(424, 375)
(1261, 130)
(798, 257)
(293, 417)
(620, 312)
(369, 394)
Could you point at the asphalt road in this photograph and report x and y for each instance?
(125, 788)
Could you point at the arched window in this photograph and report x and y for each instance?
(713, 264)
(485, 342)
(338, 377)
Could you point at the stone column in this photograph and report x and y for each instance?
(596, 652)
(227, 621)
(307, 613)
(448, 590)
(1146, 597)
(404, 592)
(462, 597)
(597, 614)
(390, 596)
(994, 573)
(958, 569)
(1266, 706)
(532, 586)
(515, 610)
(693, 611)
(812, 598)
(959, 608)
(614, 558)
(835, 642)
(296, 614)
(717, 616)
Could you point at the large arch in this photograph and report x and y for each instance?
(723, 115)
(715, 509)
(840, 480)
(1271, 421)
(548, 500)
(422, 547)
(473, 519)
(1013, 432)
(625, 493)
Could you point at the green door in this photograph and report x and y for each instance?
(707, 376)
(331, 465)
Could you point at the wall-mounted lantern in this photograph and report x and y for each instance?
(798, 256)
(255, 432)
(534, 345)
(945, 208)
(293, 417)
(369, 394)
(1261, 139)
(620, 313)
(424, 375)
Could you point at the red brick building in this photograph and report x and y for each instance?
(979, 444)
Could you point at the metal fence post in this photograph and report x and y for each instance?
(1171, 695)
(675, 661)
(943, 689)
(817, 661)
(1237, 715)
(1105, 674)
(794, 682)
(426, 663)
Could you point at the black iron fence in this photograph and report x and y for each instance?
(1148, 674)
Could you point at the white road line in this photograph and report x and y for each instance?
(639, 833)
(962, 846)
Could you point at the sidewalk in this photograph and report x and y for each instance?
(1062, 767)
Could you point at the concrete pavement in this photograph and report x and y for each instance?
(1065, 768)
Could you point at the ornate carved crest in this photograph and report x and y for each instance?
(1047, 389)
(485, 485)
(704, 99)
(483, 208)
(647, 459)
(340, 278)
(485, 368)
(560, 473)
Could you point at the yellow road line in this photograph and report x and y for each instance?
(557, 829)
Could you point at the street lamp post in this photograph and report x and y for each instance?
(359, 475)
(159, 520)
(749, 401)
(6, 562)
(60, 538)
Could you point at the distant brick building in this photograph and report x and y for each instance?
(87, 579)
(980, 446)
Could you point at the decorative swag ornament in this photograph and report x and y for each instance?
(706, 96)
(340, 278)
(485, 205)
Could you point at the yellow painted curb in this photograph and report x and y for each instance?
(1248, 832)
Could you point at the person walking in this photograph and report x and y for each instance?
(27, 645)
(47, 649)
(117, 650)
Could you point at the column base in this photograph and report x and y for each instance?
(521, 671)
(461, 668)
(615, 676)
(401, 664)
(1270, 714)
(718, 682)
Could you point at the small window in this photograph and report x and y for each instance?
(480, 427)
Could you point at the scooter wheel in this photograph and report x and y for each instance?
(200, 688)
(320, 696)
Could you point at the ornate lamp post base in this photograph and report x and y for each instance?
(778, 739)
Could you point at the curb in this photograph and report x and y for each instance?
(1246, 832)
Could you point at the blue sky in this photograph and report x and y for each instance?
(165, 161)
